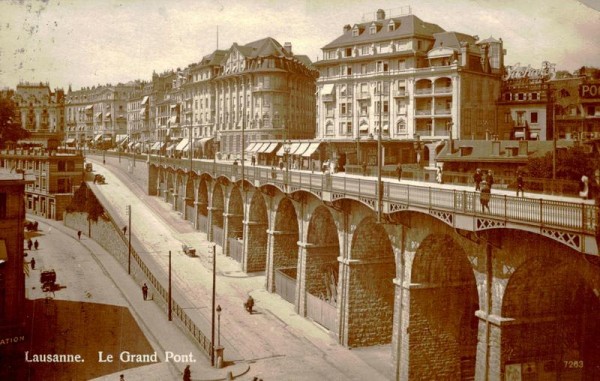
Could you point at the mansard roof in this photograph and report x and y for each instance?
(405, 26)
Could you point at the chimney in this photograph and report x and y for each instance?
(347, 28)
(380, 14)
(288, 47)
(523, 148)
(495, 148)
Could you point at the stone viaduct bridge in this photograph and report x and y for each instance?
(457, 293)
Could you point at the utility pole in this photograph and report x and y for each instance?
(379, 158)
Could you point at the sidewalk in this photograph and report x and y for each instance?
(162, 334)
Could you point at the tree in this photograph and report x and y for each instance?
(10, 129)
(85, 201)
(571, 164)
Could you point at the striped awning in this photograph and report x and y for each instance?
(311, 149)
(269, 148)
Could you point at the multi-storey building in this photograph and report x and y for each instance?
(141, 123)
(96, 115)
(576, 102)
(56, 175)
(409, 80)
(162, 86)
(12, 277)
(201, 85)
(41, 112)
(266, 90)
(524, 103)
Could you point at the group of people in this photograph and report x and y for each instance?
(31, 243)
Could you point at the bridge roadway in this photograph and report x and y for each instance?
(569, 220)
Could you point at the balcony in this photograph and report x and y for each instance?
(443, 90)
(363, 95)
(328, 98)
(400, 93)
(442, 112)
(423, 112)
(424, 91)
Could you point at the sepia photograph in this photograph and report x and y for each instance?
(302, 190)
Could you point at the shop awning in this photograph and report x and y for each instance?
(171, 147)
(130, 145)
(269, 148)
(260, 147)
(311, 149)
(364, 128)
(251, 147)
(327, 89)
(97, 137)
(143, 111)
(519, 134)
(156, 146)
(182, 145)
(107, 115)
(301, 148)
(145, 100)
(89, 108)
(70, 141)
(120, 138)
(173, 119)
(203, 141)
(107, 138)
(293, 148)
(98, 114)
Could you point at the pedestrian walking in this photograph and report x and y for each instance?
(79, 235)
(249, 304)
(281, 164)
(122, 378)
(477, 178)
(484, 197)
(187, 374)
(124, 230)
(32, 263)
(253, 161)
(438, 175)
(145, 291)
(29, 243)
(489, 178)
(273, 172)
(520, 184)
(399, 171)
(36, 244)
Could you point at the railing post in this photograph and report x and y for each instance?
(541, 208)
(505, 208)
(430, 198)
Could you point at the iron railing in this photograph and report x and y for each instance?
(566, 215)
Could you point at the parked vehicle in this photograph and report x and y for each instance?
(48, 280)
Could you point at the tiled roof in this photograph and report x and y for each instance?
(406, 26)
(452, 39)
(482, 150)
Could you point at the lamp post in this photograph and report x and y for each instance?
(212, 336)
(219, 326)
(191, 150)
(170, 295)
(128, 212)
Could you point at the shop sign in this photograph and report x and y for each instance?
(518, 72)
(589, 90)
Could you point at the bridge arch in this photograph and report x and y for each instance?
(371, 270)
(216, 212)
(257, 237)
(203, 204)
(170, 177)
(554, 317)
(234, 225)
(443, 328)
(285, 237)
(321, 268)
(188, 202)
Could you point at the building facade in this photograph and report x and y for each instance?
(12, 276)
(41, 112)
(265, 90)
(95, 116)
(55, 177)
(409, 80)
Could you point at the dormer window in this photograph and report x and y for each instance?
(355, 32)
(373, 29)
(391, 27)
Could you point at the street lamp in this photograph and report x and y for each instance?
(212, 338)
(379, 159)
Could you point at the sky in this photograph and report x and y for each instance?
(90, 42)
